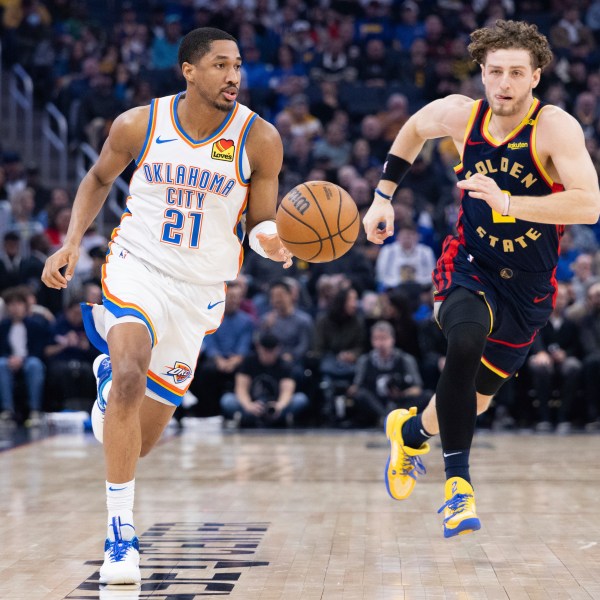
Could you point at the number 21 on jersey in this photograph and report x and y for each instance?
(174, 226)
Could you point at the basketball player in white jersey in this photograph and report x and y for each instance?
(207, 171)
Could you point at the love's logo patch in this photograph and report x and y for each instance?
(223, 150)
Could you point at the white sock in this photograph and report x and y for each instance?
(119, 502)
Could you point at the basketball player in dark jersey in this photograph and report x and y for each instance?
(524, 173)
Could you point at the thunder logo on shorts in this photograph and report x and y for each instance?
(180, 372)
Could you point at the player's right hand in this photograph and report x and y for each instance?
(380, 212)
(274, 249)
(67, 256)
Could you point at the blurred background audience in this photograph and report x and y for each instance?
(337, 79)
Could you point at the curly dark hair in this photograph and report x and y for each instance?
(511, 34)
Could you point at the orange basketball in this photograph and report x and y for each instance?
(317, 221)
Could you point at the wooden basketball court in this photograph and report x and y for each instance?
(303, 515)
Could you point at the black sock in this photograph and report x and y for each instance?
(413, 432)
(457, 464)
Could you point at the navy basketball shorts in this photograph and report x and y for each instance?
(520, 303)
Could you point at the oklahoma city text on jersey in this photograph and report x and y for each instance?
(186, 183)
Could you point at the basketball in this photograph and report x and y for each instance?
(317, 221)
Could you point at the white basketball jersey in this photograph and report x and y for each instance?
(186, 212)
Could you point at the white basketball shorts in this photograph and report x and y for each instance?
(178, 314)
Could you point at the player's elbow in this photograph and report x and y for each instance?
(98, 181)
(591, 220)
(592, 208)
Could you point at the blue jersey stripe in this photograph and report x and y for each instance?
(163, 392)
(241, 150)
(119, 311)
(239, 230)
(90, 328)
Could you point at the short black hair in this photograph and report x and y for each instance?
(197, 43)
(268, 341)
(12, 236)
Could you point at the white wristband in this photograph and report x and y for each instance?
(266, 227)
(506, 204)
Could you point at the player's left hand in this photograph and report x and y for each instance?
(486, 189)
(275, 250)
(379, 220)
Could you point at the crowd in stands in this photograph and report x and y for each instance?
(338, 78)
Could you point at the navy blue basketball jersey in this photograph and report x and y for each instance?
(515, 166)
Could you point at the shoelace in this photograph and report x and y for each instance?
(413, 466)
(119, 549)
(456, 504)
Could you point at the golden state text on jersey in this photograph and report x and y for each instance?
(186, 211)
(515, 166)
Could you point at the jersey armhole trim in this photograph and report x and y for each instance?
(239, 165)
(149, 131)
(474, 112)
(534, 155)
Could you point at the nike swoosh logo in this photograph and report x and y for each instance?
(112, 489)
(451, 454)
(472, 143)
(159, 141)
(538, 300)
(213, 304)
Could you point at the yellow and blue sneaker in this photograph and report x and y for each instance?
(404, 463)
(459, 509)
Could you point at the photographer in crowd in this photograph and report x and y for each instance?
(265, 391)
(386, 378)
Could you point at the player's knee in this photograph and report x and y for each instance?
(466, 342)
(468, 338)
(128, 385)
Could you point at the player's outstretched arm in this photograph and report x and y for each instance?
(125, 139)
(560, 143)
(441, 118)
(265, 153)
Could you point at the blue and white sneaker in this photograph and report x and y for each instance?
(121, 558)
(103, 373)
